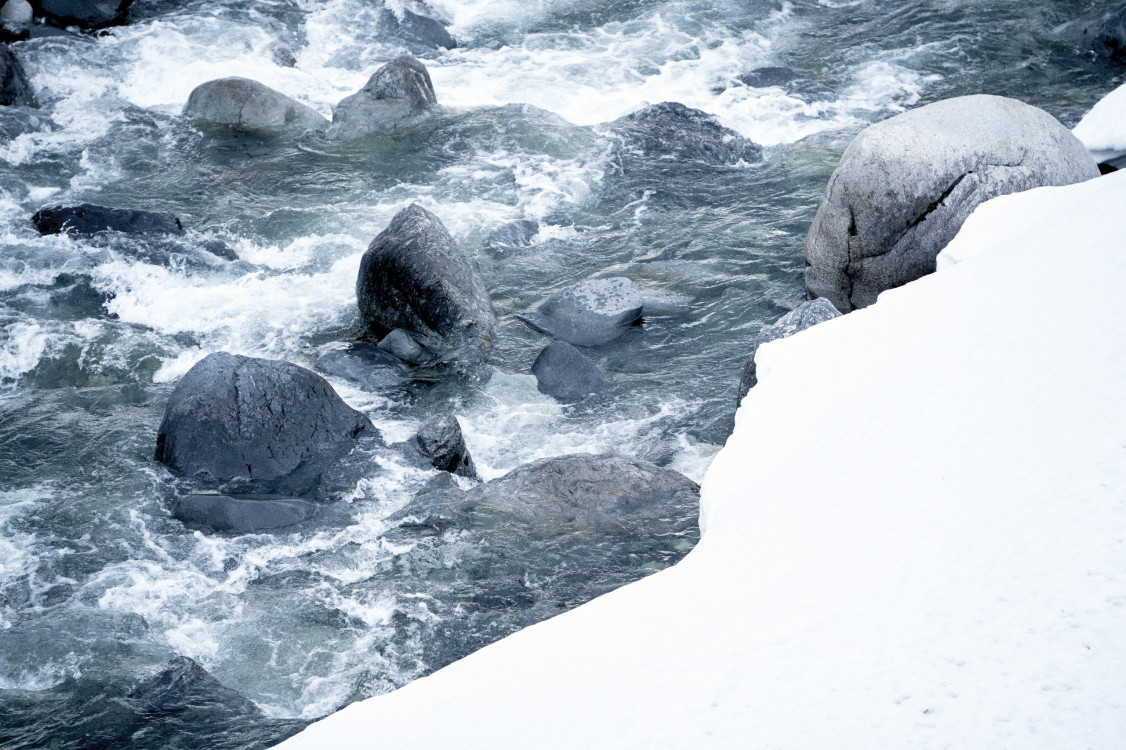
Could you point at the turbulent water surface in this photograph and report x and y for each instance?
(99, 586)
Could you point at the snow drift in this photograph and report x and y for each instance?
(916, 536)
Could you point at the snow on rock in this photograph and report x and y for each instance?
(1103, 129)
(916, 536)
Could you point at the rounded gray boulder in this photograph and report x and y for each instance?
(248, 105)
(241, 515)
(590, 313)
(414, 277)
(261, 425)
(905, 185)
(442, 443)
(670, 130)
(565, 373)
(399, 93)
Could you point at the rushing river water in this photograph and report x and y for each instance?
(99, 584)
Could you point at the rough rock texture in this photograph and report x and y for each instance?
(241, 515)
(1102, 32)
(418, 32)
(905, 185)
(589, 313)
(671, 130)
(15, 89)
(85, 14)
(88, 218)
(564, 373)
(263, 425)
(397, 94)
(184, 688)
(415, 277)
(440, 440)
(513, 235)
(805, 315)
(16, 13)
(248, 105)
(790, 81)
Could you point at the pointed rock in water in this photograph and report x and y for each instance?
(183, 685)
(242, 514)
(85, 14)
(416, 278)
(590, 313)
(565, 373)
(248, 105)
(790, 81)
(806, 315)
(397, 94)
(15, 89)
(88, 218)
(905, 185)
(261, 425)
(1102, 32)
(420, 33)
(441, 441)
(513, 235)
(671, 130)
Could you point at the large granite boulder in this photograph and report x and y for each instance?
(565, 373)
(805, 315)
(248, 105)
(15, 89)
(905, 185)
(88, 218)
(419, 33)
(397, 94)
(85, 14)
(241, 515)
(589, 313)
(256, 425)
(442, 443)
(1101, 31)
(670, 130)
(790, 81)
(415, 278)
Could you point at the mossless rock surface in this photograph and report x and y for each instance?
(589, 313)
(398, 93)
(673, 131)
(565, 373)
(87, 218)
(442, 443)
(248, 105)
(15, 88)
(241, 515)
(905, 185)
(806, 315)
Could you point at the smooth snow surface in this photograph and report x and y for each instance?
(916, 536)
(1103, 129)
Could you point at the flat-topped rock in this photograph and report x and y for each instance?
(89, 218)
(243, 514)
(589, 313)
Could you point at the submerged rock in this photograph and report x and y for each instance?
(242, 514)
(399, 93)
(248, 105)
(790, 81)
(414, 277)
(183, 685)
(905, 185)
(565, 373)
(440, 440)
(1101, 31)
(15, 89)
(364, 365)
(88, 218)
(589, 313)
(85, 14)
(513, 235)
(420, 33)
(671, 130)
(261, 425)
(806, 315)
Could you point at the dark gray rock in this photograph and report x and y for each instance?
(85, 14)
(805, 315)
(283, 55)
(590, 313)
(513, 235)
(671, 130)
(259, 425)
(15, 89)
(399, 344)
(905, 185)
(87, 218)
(790, 81)
(241, 515)
(399, 93)
(418, 32)
(440, 440)
(416, 278)
(184, 686)
(1102, 32)
(564, 373)
(364, 365)
(248, 105)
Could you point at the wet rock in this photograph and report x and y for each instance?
(364, 365)
(590, 313)
(790, 81)
(905, 185)
(85, 14)
(418, 32)
(399, 93)
(1102, 32)
(74, 297)
(441, 442)
(283, 56)
(16, 14)
(671, 130)
(259, 425)
(400, 345)
(513, 235)
(564, 373)
(87, 218)
(806, 315)
(184, 686)
(415, 277)
(248, 105)
(15, 89)
(242, 514)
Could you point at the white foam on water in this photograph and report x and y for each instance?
(22, 345)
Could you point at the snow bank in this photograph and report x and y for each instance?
(1103, 129)
(916, 536)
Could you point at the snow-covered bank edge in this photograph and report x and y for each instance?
(915, 537)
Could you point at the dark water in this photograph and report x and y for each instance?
(100, 588)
